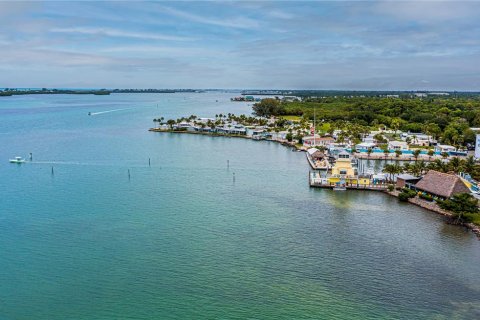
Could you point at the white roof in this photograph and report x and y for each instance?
(366, 144)
(445, 146)
(406, 176)
(312, 151)
(397, 143)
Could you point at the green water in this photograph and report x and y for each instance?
(181, 239)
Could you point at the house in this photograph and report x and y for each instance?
(444, 148)
(442, 185)
(397, 145)
(365, 146)
(405, 178)
(370, 139)
(419, 139)
(311, 141)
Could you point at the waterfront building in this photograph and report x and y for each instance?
(444, 148)
(441, 185)
(315, 141)
(397, 145)
(365, 146)
(404, 179)
(419, 139)
(343, 171)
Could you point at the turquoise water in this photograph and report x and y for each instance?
(181, 239)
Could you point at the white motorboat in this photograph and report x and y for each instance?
(18, 160)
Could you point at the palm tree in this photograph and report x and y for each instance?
(369, 151)
(421, 166)
(386, 152)
(455, 164)
(430, 154)
(416, 153)
(389, 169)
(469, 164)
(444, 155)
(398, 153)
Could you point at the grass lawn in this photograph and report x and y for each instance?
(292, 118)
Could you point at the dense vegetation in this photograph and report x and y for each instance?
(464, 207)
(446, 118)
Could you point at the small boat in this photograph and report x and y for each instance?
(89, 113)
(339, 189)
(18, 160)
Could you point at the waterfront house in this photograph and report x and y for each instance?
(365, 146)
(404, 179)
(441, 185)
(397, 145)
(313, 141)
(419, 139)
(444, 148)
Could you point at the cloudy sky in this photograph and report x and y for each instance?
(235, 44)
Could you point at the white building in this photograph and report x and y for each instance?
(419, 139)
(444, 148)
(477, 147)
(397, 145)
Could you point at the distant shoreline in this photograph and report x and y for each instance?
(98, 92)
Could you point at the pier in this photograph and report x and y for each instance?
(317, 181)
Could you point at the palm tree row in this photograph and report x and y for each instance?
(419, 168)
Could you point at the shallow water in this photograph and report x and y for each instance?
(181, 239)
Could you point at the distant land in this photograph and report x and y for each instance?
(100, 92)
(258, 92)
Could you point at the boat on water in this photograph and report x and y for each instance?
(18, 160)
(339, 189)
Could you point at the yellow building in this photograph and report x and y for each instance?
(344, 173)
(343, 166)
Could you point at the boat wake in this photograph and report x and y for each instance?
(108, 111)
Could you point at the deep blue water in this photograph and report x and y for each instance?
(181, 239)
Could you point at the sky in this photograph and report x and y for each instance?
(352, 45)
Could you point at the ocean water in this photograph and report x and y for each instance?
(190, 238)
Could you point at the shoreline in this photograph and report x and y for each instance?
(430, 206)
(433, 207)
(284, 143)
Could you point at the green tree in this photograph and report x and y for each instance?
(416, 154)
(268, 107)
(430, 154)
(460, 204)
(171, 122)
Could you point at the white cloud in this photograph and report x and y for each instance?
(120, 33)
(237, 22)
